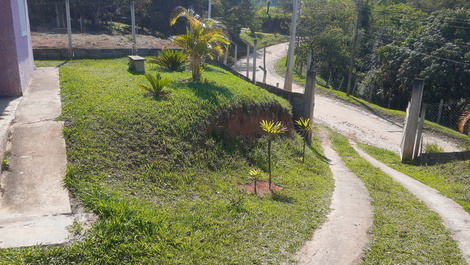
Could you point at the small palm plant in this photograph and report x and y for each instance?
(305, 126)
(172, 60)
(255, 175)
(272, 129)
(157, 84)
(203, 39)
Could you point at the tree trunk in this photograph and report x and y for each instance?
(269, 163)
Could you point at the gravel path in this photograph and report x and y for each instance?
(453, 215)
(343, 237)
(353, 121)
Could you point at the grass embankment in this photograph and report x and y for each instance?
(451, 179)
(264, 39)
(280, 68)
(404, 231)
(164, 191)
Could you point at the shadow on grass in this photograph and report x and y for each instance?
(210, 91)
(375, 112)
(319, 155)
(430, 159)
(279, 197)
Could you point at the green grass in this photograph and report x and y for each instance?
(433, 148)
(280, 68)
(164, 190)
(451, 179)
(264, 39)
(404, 230)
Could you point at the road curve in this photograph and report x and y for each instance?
(353, 121)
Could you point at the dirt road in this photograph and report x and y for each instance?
(353, 121)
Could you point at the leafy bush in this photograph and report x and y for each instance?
(272, 129)
(172, 60)
(157, 84)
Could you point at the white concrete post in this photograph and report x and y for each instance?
(227, 49)
(134, 40)
(254, 60)
(309, 99)
(290, 53)
(419, 133)
(209, 9)
(411, 125)
(247, 60)
(236, 53)
(69, 28)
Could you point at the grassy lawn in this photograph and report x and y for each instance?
(301, 79)
(404, 231)
(164, 190)
(264, 39)
(451, 179)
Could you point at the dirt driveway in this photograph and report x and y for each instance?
(355, 122)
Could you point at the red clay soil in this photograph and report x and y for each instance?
(97, 41)
(262, 187)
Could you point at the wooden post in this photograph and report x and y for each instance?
(291, 51)
(69, 28)
(209, 10)
(309, 99)
(134, 41)
(57, 14)
(419, 141)
(264, 65)
(254, 60)
(411, 125)
(439, 114)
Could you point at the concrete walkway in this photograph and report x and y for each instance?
(454, 217)
(342, 239)
(35, 207)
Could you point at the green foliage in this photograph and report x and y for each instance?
(5, 165)
(165, 191)
(203, 39)
(433, 148)
(306, 127)
(405, 230)
(264, 39)
(172, 60)
(272, 129)
(255, 175)
(157, 84)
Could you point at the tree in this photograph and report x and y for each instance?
(203, 39)
(272, 129)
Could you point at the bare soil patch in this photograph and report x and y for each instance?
(262, 187)
(98, 41)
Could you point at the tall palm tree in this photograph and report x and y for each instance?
(203, 39)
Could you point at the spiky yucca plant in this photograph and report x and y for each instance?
(157, 84)
(272, 129)
(305, 126)
(203, 39)
(255, 175)
(172, 60)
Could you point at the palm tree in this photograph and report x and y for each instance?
(203, 39)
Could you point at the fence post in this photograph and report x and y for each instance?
(419, 133)
(247, 60)
(309, 99)
(411, 125)
(226, 54)
(441, 105)
(134, 41)
(254, 60)
(69, 27)
(236, 53)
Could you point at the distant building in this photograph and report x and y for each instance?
(16, 54)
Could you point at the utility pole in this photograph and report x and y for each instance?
(69, 27)
(354, 45)
(209, 12)
(134, 41)
(290, 53)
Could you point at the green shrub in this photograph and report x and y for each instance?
(433, 148)
(172, 60)
(157, 84)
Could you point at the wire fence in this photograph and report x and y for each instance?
(448, 115)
